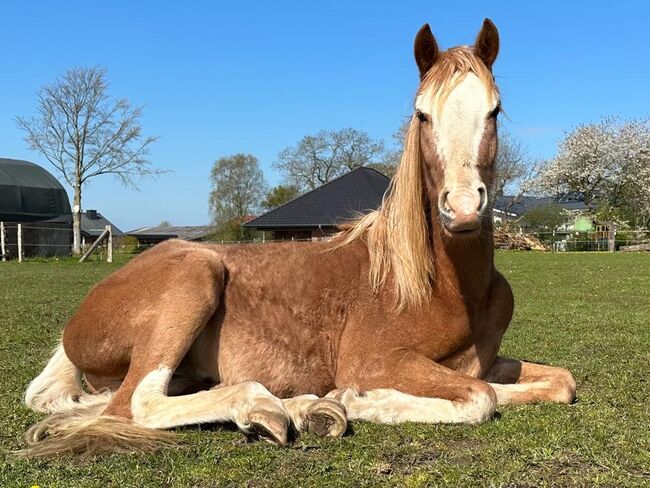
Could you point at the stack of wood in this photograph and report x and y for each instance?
(505, 238)
(636, 248)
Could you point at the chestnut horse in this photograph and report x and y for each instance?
(398, 318)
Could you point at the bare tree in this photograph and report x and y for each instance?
(320, 158)
(83, 134)
(512, 162)
(238, 186)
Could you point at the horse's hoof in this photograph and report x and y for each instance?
(327, 418)
(270, 426)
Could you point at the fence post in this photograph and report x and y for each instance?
(553, 239)
(2, 241)
(109, 246)
(20, 242)
(611, 241)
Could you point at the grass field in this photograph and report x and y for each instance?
(587, 312)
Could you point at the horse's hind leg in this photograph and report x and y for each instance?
(179, 312)
(325, 417)
(517, 382)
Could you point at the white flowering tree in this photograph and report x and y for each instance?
(607, 162)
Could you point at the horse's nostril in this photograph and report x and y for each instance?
(482, 198)
(445, 209)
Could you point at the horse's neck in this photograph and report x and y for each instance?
(464, 266)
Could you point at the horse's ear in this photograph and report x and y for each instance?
(426, 49)
(486, 46)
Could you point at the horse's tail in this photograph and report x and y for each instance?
(59, 388)
(75, 423)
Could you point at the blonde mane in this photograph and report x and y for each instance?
(397, 233)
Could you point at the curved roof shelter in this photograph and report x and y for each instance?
(29, 193)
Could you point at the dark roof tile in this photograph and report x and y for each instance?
(187, 232)
(523, 204)
(359, 191)
(95, 226)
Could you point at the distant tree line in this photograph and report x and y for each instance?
(84, 133)
(606, 163)
(240, 191)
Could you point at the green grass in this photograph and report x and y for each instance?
(587, 312)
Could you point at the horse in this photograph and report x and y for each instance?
(398, 318)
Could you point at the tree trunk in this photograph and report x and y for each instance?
(76, 221)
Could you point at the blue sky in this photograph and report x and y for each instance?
(218, 78)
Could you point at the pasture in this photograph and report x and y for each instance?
(587, 312)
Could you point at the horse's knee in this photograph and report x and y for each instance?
(481, 402)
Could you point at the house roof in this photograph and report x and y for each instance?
(523, 204)
(186, 232)
(93, 224)
(29, 193)
(359, 191)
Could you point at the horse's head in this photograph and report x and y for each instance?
(456, 108)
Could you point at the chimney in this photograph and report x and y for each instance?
(92, 214)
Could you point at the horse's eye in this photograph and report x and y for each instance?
(495, 112)
(422, 116)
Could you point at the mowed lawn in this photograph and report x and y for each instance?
(587, 312)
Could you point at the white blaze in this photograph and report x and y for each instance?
(458, 127)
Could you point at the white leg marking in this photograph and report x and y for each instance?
(152, 407)
(507, 393)
(537, 391)
(389, 406)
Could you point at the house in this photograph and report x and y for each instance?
(34, 198)
(579, 231)
(508, 208)
(154, 235)
(317, 214)
(93, 224)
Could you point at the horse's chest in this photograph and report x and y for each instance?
(451, 337)
(444, 333)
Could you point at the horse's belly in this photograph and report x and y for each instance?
(271, 355)
(283, 375)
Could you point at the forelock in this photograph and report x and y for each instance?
(449, 70)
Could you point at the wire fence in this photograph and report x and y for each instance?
(55, 241)
(594, 241)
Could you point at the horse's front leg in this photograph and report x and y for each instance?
(518, 382)
(404, 386)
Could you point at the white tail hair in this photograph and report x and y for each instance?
(75, 423)
(59, 388)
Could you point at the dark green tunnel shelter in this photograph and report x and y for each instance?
(32, 197)
(29, 193)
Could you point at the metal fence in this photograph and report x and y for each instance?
(25, 240)
(19, 241)
(594, 241)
